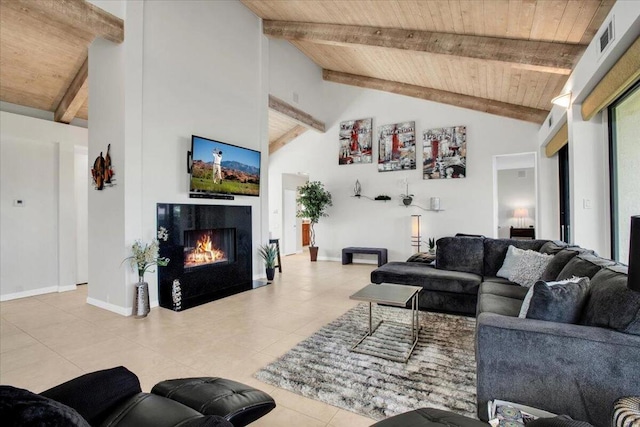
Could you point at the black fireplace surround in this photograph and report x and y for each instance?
(210, 252)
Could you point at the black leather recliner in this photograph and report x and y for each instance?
(113, 397)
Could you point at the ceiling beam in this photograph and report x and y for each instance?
(74, 97)
(548, 57)
(294, 113)
(465, 101)
(288, 136)
(77, 14)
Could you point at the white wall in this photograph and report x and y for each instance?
(37, 166)
(185, 68)
(468, 202)
(588, 141)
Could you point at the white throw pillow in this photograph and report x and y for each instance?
(530, 268)
(510, 261)
(526, 302)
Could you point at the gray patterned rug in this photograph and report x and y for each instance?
(439, 374)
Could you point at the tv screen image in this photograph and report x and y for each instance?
(221, 168)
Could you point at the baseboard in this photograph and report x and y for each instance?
(123, 311)
(29, 293)
(67, 288)
(327, 258)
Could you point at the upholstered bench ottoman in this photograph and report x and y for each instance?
(430, 417)
(237, 402)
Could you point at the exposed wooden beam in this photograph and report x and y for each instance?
(297, 115)
(76, 14)
(74, 97)
(619, 78)
(479, 104)
(289, 136)
(541, 56)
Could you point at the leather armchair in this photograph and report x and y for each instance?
(113, 397)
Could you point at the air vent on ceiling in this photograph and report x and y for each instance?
(522, 174)
(606, 37)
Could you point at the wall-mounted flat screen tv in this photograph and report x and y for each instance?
(221, 168)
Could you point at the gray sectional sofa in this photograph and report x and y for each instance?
(579, 368)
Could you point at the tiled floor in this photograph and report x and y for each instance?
(51, 338)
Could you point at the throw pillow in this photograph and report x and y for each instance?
(511, 260)
(530, 268)
(612, 304)
(423, 257)
(19, 407)
(560, 303)
(527, 298)
(584, 265)
(552, 247)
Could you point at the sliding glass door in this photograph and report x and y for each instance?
(624, 132)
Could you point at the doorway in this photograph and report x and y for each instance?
(515, 195)
(290, 223)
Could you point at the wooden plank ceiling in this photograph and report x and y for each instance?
(506, 57)
(43, 53)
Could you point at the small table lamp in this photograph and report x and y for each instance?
(521, 214)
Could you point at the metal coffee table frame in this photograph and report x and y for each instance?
(396, 295)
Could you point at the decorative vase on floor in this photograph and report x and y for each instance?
(313, 252)
(141, 306)
(271, 272)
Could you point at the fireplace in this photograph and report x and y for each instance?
(210, 251)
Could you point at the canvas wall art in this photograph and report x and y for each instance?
(397, 147)
(445, 153)
(102, 171)
(355, 142)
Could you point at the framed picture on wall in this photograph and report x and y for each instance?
(355, 142)
(397, 147)
(445, 153)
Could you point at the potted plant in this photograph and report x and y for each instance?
(268, 253)
(313, 200)
(406, 197)
(432, 245)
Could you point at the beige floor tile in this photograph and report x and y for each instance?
(282, 416)
(48, 339)
(349, 419)
(306, 406)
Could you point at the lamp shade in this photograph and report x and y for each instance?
(633, 281)
(521, 213)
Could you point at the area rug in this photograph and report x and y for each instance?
(439, 374)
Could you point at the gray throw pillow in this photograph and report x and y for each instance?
(527, 298)
(559, 421)
(584, 265)
(559, 261)
(612, 304)
(561, 303)
(552, 247)
(529, 268)
(511, 260)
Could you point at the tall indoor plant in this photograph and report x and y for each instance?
(313, 200)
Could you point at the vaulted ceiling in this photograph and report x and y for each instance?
(506, 57)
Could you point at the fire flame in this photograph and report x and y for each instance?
(204, 252)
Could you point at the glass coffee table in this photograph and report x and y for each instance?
(390, 294)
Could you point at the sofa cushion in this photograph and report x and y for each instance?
(496, 249)
(503, 289)
(583, 265)
(419, 274)
(19, 407)
(463, 254)
(529, 268)
(423, 257)
(559, 261)
(511, 260)
(489, 303)
(560, 302)
(499, 280)
(611, 303)
(553, 247)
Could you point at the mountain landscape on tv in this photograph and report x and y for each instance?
(237, 178)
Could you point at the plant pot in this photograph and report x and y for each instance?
(271, 272)
(407, 201)
(141, 305)
(313, 252)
